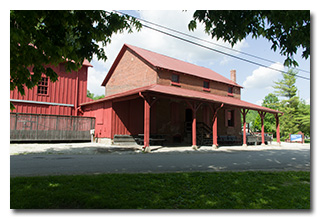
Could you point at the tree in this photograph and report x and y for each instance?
(94, 97)
(270, 101)
(287, 30)
(289, 105)
(250, 119)
(39, 39)
(303, 118)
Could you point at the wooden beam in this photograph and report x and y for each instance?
(146, 140)
(262, 116)
(194, 107)
(278, 127)
(215, 125)
(244, 113)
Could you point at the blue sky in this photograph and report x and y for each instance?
(257, 81)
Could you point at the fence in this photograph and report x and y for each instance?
(38, 127)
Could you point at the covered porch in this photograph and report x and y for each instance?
(175, 115)
(195, 100)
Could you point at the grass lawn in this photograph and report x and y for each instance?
(196, 190)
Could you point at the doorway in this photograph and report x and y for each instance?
(188, 120)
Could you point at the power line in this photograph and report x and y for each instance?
(218, 51)
(197, 38)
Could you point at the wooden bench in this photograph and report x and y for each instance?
(153, 140)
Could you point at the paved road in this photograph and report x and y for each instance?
(267, 160)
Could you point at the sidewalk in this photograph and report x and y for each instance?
(97, 148)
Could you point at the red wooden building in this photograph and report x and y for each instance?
(62, 97)
(149, 94)
(50, 111)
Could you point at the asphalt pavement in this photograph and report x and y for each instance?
(269, 158)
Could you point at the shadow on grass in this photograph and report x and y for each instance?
(220, 190)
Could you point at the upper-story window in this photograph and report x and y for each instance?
(230, 91)
(175, 79)
(43, 86)
(206, 86)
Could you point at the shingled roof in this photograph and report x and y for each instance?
(165, 62)
(185, 93)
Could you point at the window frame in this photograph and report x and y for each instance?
(43, 85)
(204, 88)
(232, 91)
(177, 82)
(232, 119)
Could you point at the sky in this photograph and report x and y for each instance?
(257, 81)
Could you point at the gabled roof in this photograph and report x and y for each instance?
(86, 63)
(164, 62)
(189, 94)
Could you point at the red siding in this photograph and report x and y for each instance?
(102, 112)
(127, 117)
(62, 91)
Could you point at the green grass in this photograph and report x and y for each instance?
(216, 190)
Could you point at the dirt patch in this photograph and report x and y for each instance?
(115, 149)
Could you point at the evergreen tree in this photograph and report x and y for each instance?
(304, 118)
(289, 104)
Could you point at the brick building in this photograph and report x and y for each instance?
(150, 95)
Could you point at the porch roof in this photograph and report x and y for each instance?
(185, 93)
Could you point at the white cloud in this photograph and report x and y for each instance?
(160, 43)
(259, 102)
(307, 101)
(263, 78)
(95, 78)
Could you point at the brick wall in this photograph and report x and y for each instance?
(195, 83)
(130, 73)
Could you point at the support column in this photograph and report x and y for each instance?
(278, 128)
(244, 113)
(194, 107)
(215, 125)
(215, 133)
(262, 115)
(194, 129)
(148, 102)
(146, 140)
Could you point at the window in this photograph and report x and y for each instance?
(230, 91)
(206, 86)
(230, 118)
(175, 80)
(43, 86)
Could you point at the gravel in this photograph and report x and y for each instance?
(98, 148)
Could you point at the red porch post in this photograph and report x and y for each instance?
(215, 125)
(194, 129)
(146, 125)
(262, 115)
(244, 113)
(194, 107)
(146, 132)
(278, 128)
(215, 132)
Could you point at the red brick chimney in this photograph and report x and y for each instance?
(233, 76)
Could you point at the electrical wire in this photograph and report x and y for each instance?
(218, 51)
(209, 42)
